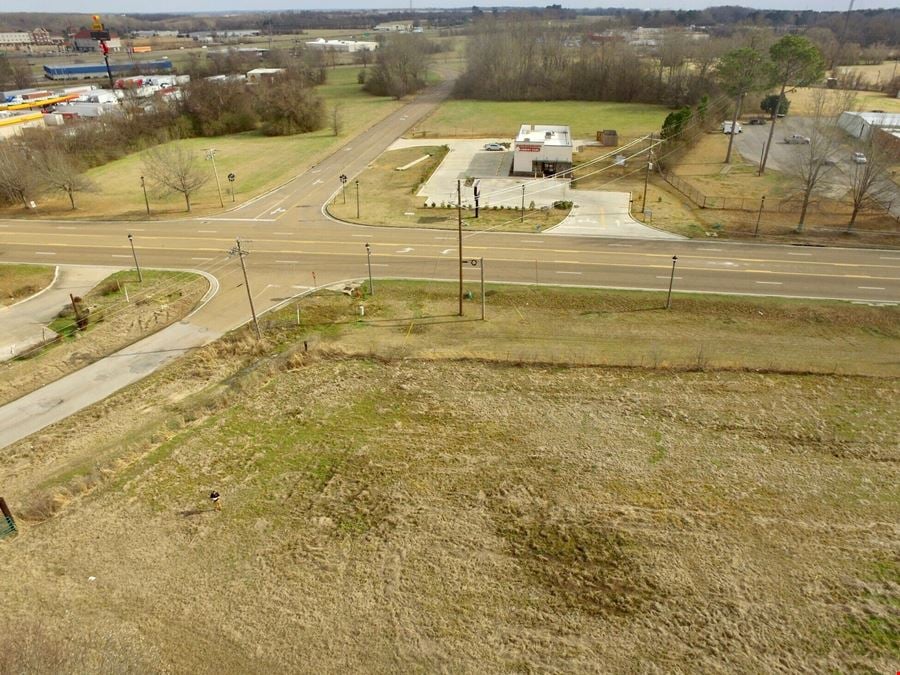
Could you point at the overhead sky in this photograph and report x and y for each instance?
(132, 6)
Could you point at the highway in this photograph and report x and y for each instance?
(293, 246)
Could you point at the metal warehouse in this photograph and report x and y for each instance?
(89, 71)
(542, 150)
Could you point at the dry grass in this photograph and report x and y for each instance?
(396, 514)
(20, 281)
(163, 299)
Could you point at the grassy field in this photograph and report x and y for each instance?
(388, 197)
(405, 496)
(259, 162)
(20, 281)
(502, 119)
(114, 322)
(802, 101)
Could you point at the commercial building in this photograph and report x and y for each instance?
(97, 70)
(83, 42)
(542, 150)
(37, 40)
(861, 125)
(258, 74)
(350, 46)
(394, 27)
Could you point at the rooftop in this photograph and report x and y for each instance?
(548, 134)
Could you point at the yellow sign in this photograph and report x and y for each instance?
(97, 23)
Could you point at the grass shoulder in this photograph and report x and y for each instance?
(18, 282)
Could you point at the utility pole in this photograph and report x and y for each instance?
(671, 281)
(476, 191)
(647, 175)
(762, 203)
(737, 113)
(357, 199)
(211, 155)
(369, 258)
(240, 253)
(522, 218)
(134, 255)
(146, 200)
(459, 228)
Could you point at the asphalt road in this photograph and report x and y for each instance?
(293, 246)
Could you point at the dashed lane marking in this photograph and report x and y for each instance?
(771, 283)
(870, 288)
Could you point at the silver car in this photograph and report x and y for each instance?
(796, 139)
(859, 158)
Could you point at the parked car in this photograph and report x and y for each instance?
(796, 139)
(756, 121)
(859, 158)
(493, 146)
(829, 161)
(726, 127)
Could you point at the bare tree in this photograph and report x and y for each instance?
(337, 120)
(19, 181)
(813, 162)
(59, 171)
(175, 168)
(870, 181)
(740, 72)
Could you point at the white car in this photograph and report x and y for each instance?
(859, 158)
(726, 127)
(796, 139)
(493, 147)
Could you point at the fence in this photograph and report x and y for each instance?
(723, 203)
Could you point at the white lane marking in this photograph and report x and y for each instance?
(318, 181)
(242, 220)
(379, 264)
(406, 250)
(559, 272)
(360, 235)
(204, 259)
(666, 277)
(301, 287)
(120, 255)
(881, 257)
(444, 238)
(706, 249)
(533, 241)
(278, 210)
(773, 283)
(447, 251)
(289, 262)
(870, 288)
(807, 254)
(44, 253)
(347, 149)
(284, 233)
(206, 231)
(137, 229)
(66, 227)
(622, 245)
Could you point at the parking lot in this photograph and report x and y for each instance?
(596, 213)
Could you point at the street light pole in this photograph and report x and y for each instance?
(459, 228)
(762, 203)
(146, 200)
(671, 281)
(647, 180)
(134, 255)
(211, 155)
(369, 259)
(522, 218)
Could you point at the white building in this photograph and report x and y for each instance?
(258, 74)
(542, 150)
(342, 45)
(394, 27)
(860, 124)
(15, 40)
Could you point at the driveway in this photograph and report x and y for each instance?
(23, 325)
(596, 213)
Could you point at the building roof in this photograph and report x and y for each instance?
(548, 134)
(891, 120)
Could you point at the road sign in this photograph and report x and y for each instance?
(100, 35)
(231, 177)
(473, 262)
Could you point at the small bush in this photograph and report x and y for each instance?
(562, 204)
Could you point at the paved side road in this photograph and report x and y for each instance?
(95, 382)
(21, 325)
